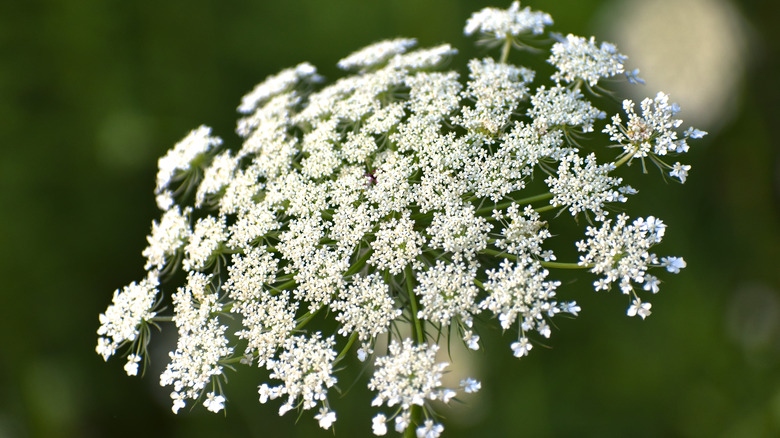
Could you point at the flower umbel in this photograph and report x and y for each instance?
(400, 203)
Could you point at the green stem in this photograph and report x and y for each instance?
(410, 288)
(285, 277)
(552, 265)
(287, 285)
(562, 265)
(502, 205)
(163, 318)
(505, 49)
(351, 341)
(231, 361)
(627, 157)
(416, 419)
(306, 318)
(359, 264)
(545, 208)
(497, 253)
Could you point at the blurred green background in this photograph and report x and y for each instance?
(93, 91)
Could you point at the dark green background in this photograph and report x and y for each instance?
(93, 91)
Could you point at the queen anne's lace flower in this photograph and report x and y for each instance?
(519, 292)
(583, 184)
(496, 90)
(560, 107)
(577, 58)
(447, 291)
(202, 343)
(132, 308)
(305, 367)
(216, 177)
(168, 236)
(278, 84)
(206, 238)
(653, 134)
(621, 252)
(182, 157)
(376, 54)
(512, 21)
(365, 307)
(397, 245)
(409, 376)
(400, 202)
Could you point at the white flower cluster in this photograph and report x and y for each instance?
(181, 162)
(621, 253)
(376, 54)
(409, 376)
(579, 59)
(398, 202)
(653, 134)
(125, 319)
(511, 22)
(497, 90)
(518, 292)
(167, 237)
(202, 343)
(305, 368)
(583, 184)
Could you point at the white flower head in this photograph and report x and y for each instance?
(402, 421)
(673, 264)
(497, 89)
(278, 84)
(167, 238)
(202, 342)
(447, 291)
(379, 424)
(365, 307)
(305, 368)
(397, 244)
(577, 58)
(409, 375)
(519, 292)
(213, 402)
(652, 133)
(622, 252)
(131, 307)
(325, 417)
(501, 23)
(376, 54)
(208, 235)
(639, 308)
(183, 156)
(470, 385)
(216, 177)
(131, 367)
(429, 429)
(582, 184)
(400, 200)
(521, 347)
(561, 107)
(680, 171)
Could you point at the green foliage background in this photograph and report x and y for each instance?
(93, 91)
